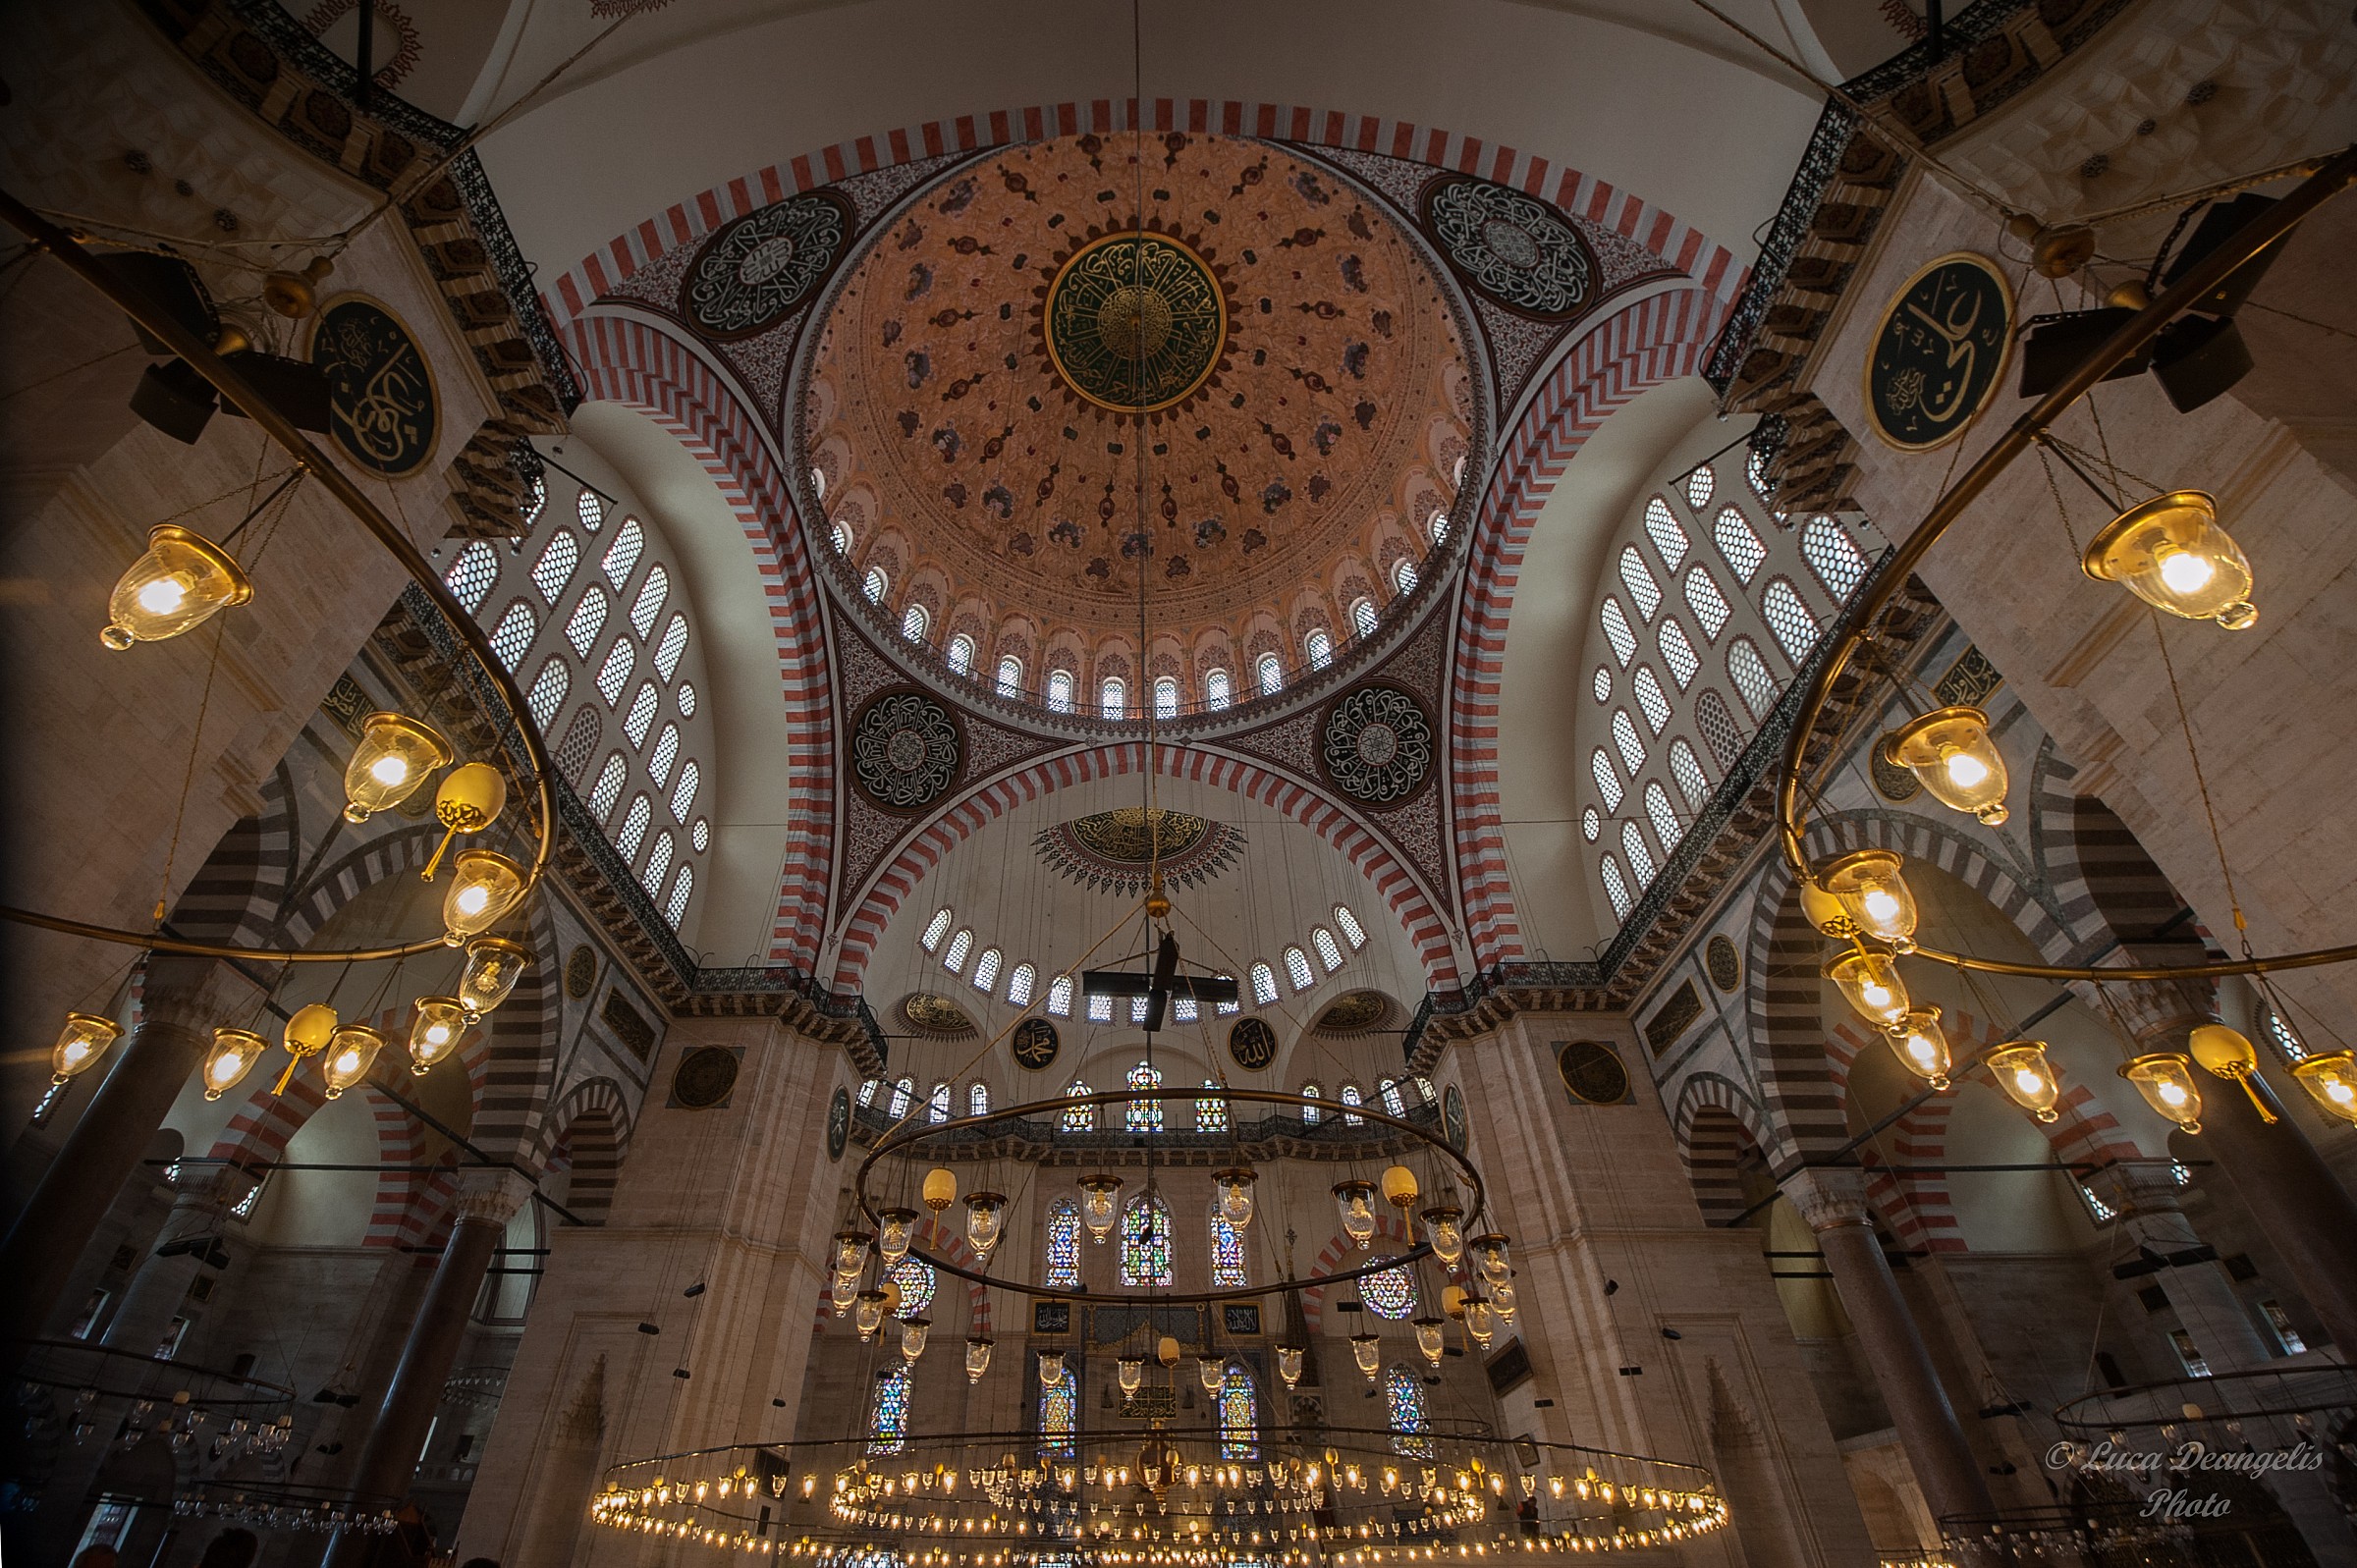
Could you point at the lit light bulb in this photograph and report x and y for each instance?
(1869, 982)
(2330, 1079)
(2023, 1071)
(1964, 769)
(232, 1055)
(851, 1251)
(1489, 1253)
(350, 1052)
(1502, 1298)
(896, 1230)
(2183, 572)
(1922, 1046)
(1289, 1364)
(85, 1039)
(487, 886)
(2165, 1080)
(178, 584)
(1367, 1351)
(2170, 552)
(1872, 889)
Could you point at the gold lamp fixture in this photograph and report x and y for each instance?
(985, 1221)
(1428, 1337)
(434, 1033)
(2023, 1071)
(493, 966)
(1824, 912)
(978, 1357)
(232, 1053)
(350, 1052)
(1367, 1351)
(1166, 1350)
(1213, 1369)
(1233, 1189)
(1872, 889)
(486, 887)
(895, 1230)
(1400, 1188)
(2331, 1080)
(85, 1039)
(1289, 1364)
(396, 754)
(940, 1189)
(177, 585)
(1129, 1372)
(1921, 1045)
(1951, 751)
(1100, 1204)
(1051, 1368)
(2171, 553)
(471, 799)
(1869, 982)
(307, 1034)
(2165, 1080)
(1444, 1227)
(2225, 1053)
(1355, 1201)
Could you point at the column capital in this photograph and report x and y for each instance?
(490, 1197)
(2138, 1188)
(1828, 1199)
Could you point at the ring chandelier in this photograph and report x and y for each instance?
(181, 581)
(2169, 550)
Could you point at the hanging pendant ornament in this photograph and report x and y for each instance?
(434, 1033)
(307, 1034)
(396, 754)
(232, 1055)
(83, 1041)
(487, 886)
(2165, 1080)
(175, 587)
(468, 801)
(493, 966)
(2227, 1054)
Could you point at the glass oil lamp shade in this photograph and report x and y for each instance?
(1452, 1300)
(493, 966)
(851, 1251)
(2171, 553)
(2165, 1080)
(1502, 1298)
(985, 1218)
(896, 1229)
(1480, 1320)
(844, 1291)
(978, 1357)
(1051, 1368)
(81, 1042)
(1100, 1204)
(1355, 1201)
(1824, 912)
(308, 1030)
(1399, 1187)
(1922, 1045)
(434, 1033)
(1869, 982)
(486, 887)
(1166, 1350)
(867, 1311)
(396, 754)
(1872, 890)
(1489, 1255)
(912, 1336)
(2023, 1071)
(1214, 1373)
(940, 1189)
(2331, 1080)
(182, 579)
(1951, 751)
(350, 1052)
(232, 1055)
(1289, 1364)
(1446, 1232)
(1428, 1337)
(1233, 1189)
(1367, 1351)
(1132, 1372)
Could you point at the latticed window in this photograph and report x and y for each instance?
(1640, 859)
(1362, 616)
(470, 576)
(1686, 768)
(1059, 691)
(1319, 647)
(1617, 632)
(839, 535)
(1750, 671)
(1834, 557)
(1145, 1116)
(1755, 470)
(1185, 1009)
(937, 1109)
(591, 511)
(683, 887)
(1601, 682)
(578, 746)
(1011, 676)
(588, 617)
(615, 673)
(1330, 952)
(1060, 996)
(535, 503)
(1637, 579)
(977, 1099)
(1738, 543)
(913, 622)
(1437, 528)
(701, 833)
(1665, 826)
(1663, 529)
(1297, 970)
(682, 798)
(1677, 653)
(1059, 1412)
(1607, 783)
(513, 637)
(1217, 692)
(686, 699)
(1591, 823)
(555, 567)
(1650, 697)
(1719, 730)
(649, 604)
(642, 716)
(1790, 618)
(1166, 697)
(1388, 1092)
(666, 752)
(1403, 1402)
(1311, 1115)
(1706, 601)
(669, 650)
(1264, 984)
(1146, 1241)
(1269, 673)
(1078, 1118)
(953, 959)
(1226, 1247)
(633, 828)
(1403, 576)
(1389, 1293)
(903, 1095)
(609, 786)
(621, 556)
(548, 692)
(1615, 888)
(2287, 1039)
(1352, 931)
(1064, 1245)
(1239, 1429)
(962, 654)
(887, 1424)
(1100, 1010)
(1113, 698)
(1019, 985)
(935, 929)
(875, 585)
(1351, 1099)
(1699, 484)
(1625, 736)
(986, 969)
(658, 861)
(1210, 1108)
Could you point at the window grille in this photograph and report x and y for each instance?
(913, 622)
(1297, 970)
(591, 511)
(1719, 732)
(666, 752)
(1614, 889)
(615, 673)
(935, 929)
(1637, 579)
(1270, 674)
(1352, 931)
(1625, 736)
(682, 799)
(683, 887)
(1738, 543)
(1665, 826)
(1617, 632)
(962, 654)
(953, 957)
(633, 828)
(1113, 698)
(609, 786)
(1699, 485)
(642, 716)
(588, 617)
(1059, 691)
(1640, 859)
(1166, 697)
(986, 970)
(1264, 984)
(1790, 618)
(1677, 653)
(1666, 536)
(514, 636)
(1362, 616)
(1650, 697)
(1834, 557)
(1216, 692)
(1750, 671)
(548, 692)
(471, 574)
(1706, 601)
(621, 556)
(1320, 648)
(1330, 952)
(555, 567)
(1607, 783)
(1686, 768)
(658, 861)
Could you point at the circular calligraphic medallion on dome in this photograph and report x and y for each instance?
(381, 404)
(1377, 744)
(839, 1122)
(1721, 963)
(1593, 1072)
(1252, 1042)
(1034, 1044)
(1355, 1012)
(936, 1014)
(1453, 1118)
(1513, 248)
(1939, 352)
(1136, 322)
(704, 1078)
(905, 750)
(752, 272)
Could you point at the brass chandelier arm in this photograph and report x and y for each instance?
(57, 241)
(2247, 241)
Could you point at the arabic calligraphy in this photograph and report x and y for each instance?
(1939, 352)
(380, 390)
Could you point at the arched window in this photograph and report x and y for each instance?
(1403, 1402)
(622, 554)
(962, 654)
(1297, 970)
(954, 960)
(609, 786)
(658, 861)
(1144, 1115)
(1665, 826)
(1264, 984)
(1362, 616)
(1311, 1115)
(1834, 557)
(914, 622)
(1064, 1243)
(1389, 1293)
(935, 929)
(1330, 952)
(667, 657)
(1269, 671)
(666, 752)
(548, 692)
(642, 716)
(1388, 1091)
(471, 574)
(1227, 1252)
(1677, 653)
(514, 635)
(1438, 526)
(1615, 888)
(1319, 647)
(1078, 1118)
(1113, 698)
(615, 673)
(1059, 691)
(1625, 736)
(2287, 1039)
(1686, 768)
(587, 619)
(1651, 699)
(1353, 932)
(682, 799)
(1210, 1108)
(1351, 1097)
(917, 1282)
(649, 602)
(555, 567)
(1403, 576)
(1019, 984)
(1666, 536)
(1216, 690)
(1706, 601)
(591, 511)
(875, 585)
(535, 503)
(903, 1095)
(977, 1099)
(1011, 676)
(986, 970)
(937, 1104)
(683, 887)
(1166, 697)
(1738, 543)
(1698, 488)
(1640, 859)
(887, 1426)
(1146, 1241)
(1790, 618)
(1719, 732)
(1060, 995)
(1637, 579)
(1607, 783)
(1240, 1418)
(580, 743)
(867, 1091)
(839, 535)
(1059, 1412)
(1750, 671)
(1617, 632)
(633, 828)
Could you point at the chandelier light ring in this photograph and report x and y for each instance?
(1850, 630)
(912, 1132)
(48, 236)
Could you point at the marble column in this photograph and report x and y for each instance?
(1834, 1204)
(2144, 1194)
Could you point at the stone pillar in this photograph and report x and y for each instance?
(568, 1477)
(389, 1458)
(1834, 1204)
(2145, 1196)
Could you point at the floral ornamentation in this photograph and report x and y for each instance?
(905, 750)
(1513, 248)
(1378, 744)
(754, 270)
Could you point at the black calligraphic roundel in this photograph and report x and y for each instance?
(382, 406)
(1939, 352)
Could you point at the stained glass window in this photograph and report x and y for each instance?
(1019, 984)
(1351, 1097)
(667, 657)
(1663, 529)
(1166, 697)
(1059, 691)
(1227, 1253)
(1790, 618)
(1060, 995)
(1059, 1410)
(1352, 931)
(962, 654)
(622, 554)
(1269, 675)
(977, 1100)
(935, 929)
(1113, 698)
(986, 969)
(1389, 1293)
(1607, 783)
(1637, 579)
(1311, 1115)
(514, 636)
(555, 567)
(1330, 952)
(937, 1104)
(1698, 488)
(1078, 1118)
(683, 887)
(1239, 1424)
(1217, 692)
(548, 692)
(1146, 1241)
(1403, 1399)
(1211, 1109)
(917, 1280)
(471, 574)
(1264, 984)
(1297, 970)
(590, 510)
(1753, 682)
(1615, 888)
(1320, 648)
(610, 779)
(1686, 768)
(1145, 1116)
(1738, 543)
(1677, 653)
(1617, 632)
(888, 1427)
(954, 960)
(633, 828)
(1640, 859)
(1064, 1243)
(1707, 602)
(913, 622)
(1362, 616)
(1625, 736)
(1651, 699)
(1834, 557)
(1665, 826)
(1719, 732)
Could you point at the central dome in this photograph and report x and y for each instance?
(1023, 399)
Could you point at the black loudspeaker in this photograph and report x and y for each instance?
(175, 399)
(2058, 345)
(295, 387)
(171, 283)
(2219, 224)
(2199, 357)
